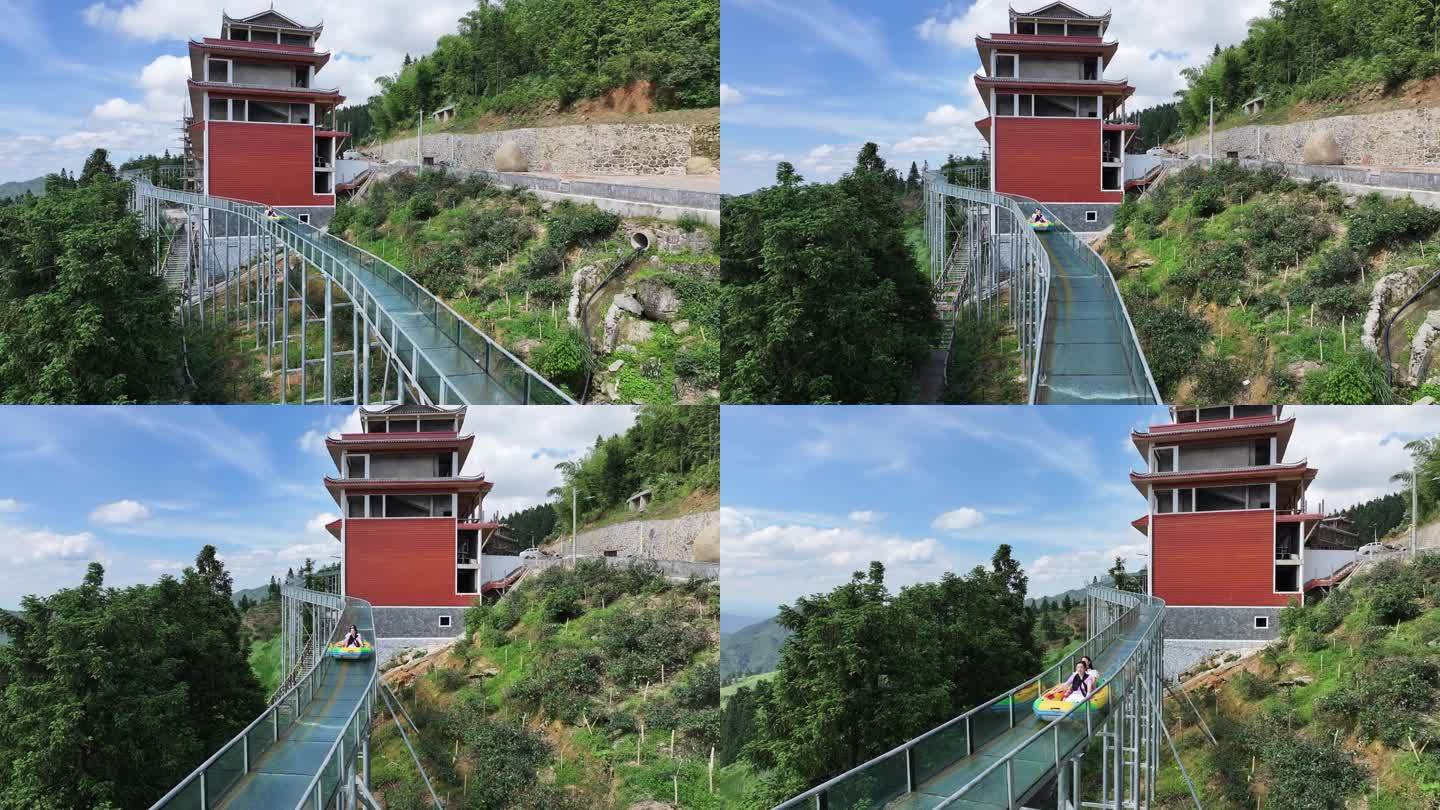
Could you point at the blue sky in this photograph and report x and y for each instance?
(809, 81)
(78, 74)
(810, 494)
(141, 489)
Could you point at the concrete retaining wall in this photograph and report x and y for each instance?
(1322, 563)
(1421, 186)
(1182, 654)
(1396, 138)
(583, 149)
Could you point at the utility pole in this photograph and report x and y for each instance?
(1414, 502)
(419, 135)
(1212, 131)
(574, 552)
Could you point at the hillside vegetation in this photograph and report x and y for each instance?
(505, 261)
(823, 300)
(1316, 53)
(1245, 286)
(590, 688)
(1342, 710)
(673, 451)
(531, 57)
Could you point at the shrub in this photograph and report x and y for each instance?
(1252, 686)
(1389, 702)
(507, 753)
(544, 261)
(562, 603)
(569, 224)
(442, 270)
(689, 223)
(344, 213)
(640, 644)
(1172, 338)
(1356, 378)
(447, 679)
(563, 359)
(1377, 222)
(700, 363)
(547, 290)
(422, 206)
(1217, 380)
(563, 685)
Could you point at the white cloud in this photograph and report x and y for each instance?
(958, 520)
(120, 512)
(866, 516)
(760, 156)
(946, 115)
(1060, 570)
(23, 546)
(729, 95)
(11, 505)
(317, 524)
(166, 566)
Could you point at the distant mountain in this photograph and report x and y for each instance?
(752, 650)
(255, 594)
(17, 188)
(730, 622)
(1077, 594)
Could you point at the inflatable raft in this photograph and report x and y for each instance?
(350, 653)
(1053, 704)
(1021, 698)
(1042, 225)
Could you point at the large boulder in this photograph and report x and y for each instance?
(1321, 149)
(699, 165)
(658, 300)
(509, 158)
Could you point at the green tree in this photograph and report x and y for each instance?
(107, 693)
(822, 302)
(82, 317)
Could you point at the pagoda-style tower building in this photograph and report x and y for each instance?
(1050, 127)
(1229, 525)
(260, 129)
(414, 541)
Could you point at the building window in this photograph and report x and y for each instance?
(219, 109)
(305, 219)
(1092, 216)
(265, 112)
(1005, 65)
(219, 70)
(299, 113)
(1110, 178)
(1164, 459)
(1164, 501)
(445, 621)
(357, 466)
(294, 39)
(1005, 104)
(355, 506)
(1262, 622)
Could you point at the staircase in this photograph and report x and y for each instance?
(303, 663)
(177, 259)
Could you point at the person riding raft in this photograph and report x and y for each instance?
(1079, 685)
(1038, 218)
(352, 638)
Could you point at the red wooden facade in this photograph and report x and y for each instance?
(1224, 554)
(265, 163)
(1055, 54)
(260, 129)
(402, 562)
(1050, 159)
(1215, 558)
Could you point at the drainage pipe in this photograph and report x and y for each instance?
(640, 242)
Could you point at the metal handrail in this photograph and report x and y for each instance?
(1115, 288)
(271, 712)
(318, 240)
(1066, 662)
(315, 796)
(1036, 249)
(1116, 684)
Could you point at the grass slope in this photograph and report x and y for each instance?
(1341, 712)
(1248, 287)
(545, 700)
(504, 261)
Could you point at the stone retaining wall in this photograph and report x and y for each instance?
(1396, 138)
(616, 149)
(692, 538)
